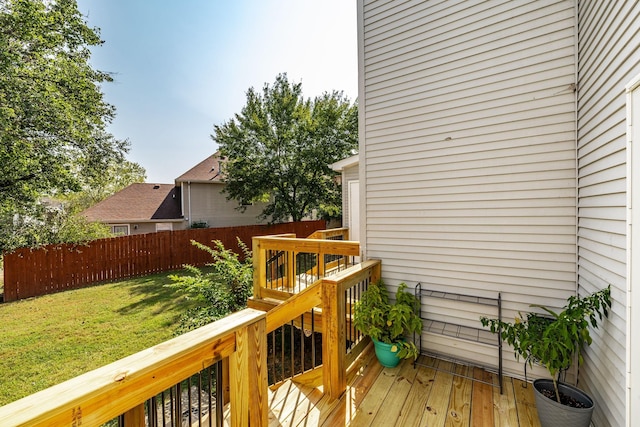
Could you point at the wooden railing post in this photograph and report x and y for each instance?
(134, 417)
(376, 273)
(259, 267)
(248, 376)
(333, 339)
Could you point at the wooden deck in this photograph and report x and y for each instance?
(408, 396)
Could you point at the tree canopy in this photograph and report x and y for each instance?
(53, 118)
(52, 111)
(114, 178)
(279, 149)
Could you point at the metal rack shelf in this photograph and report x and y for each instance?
(457, 331)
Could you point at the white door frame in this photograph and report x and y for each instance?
(633, 257)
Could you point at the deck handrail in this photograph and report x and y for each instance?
(331, 234)
(123, 386)
(265, 247)
(329, 294)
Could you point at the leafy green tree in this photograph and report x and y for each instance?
(52, 112)
(41, 225)
(117, 176)
(280, 146)
(221, 288)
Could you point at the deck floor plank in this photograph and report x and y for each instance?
(435, 413)
(435, 393)
(527, 415)
(458, 413)
(368, 409)
(506, 411)
(416, 402)
(391, 408)
(482, 400)
(362, 381)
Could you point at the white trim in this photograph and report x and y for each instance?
(113, 226)
(633, 239)
(164, 226)
(345, 163)
(362, 152)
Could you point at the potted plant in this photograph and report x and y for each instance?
(389, 324)
(554, 340)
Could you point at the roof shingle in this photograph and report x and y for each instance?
(138, 202)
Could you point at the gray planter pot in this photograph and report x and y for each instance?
(553, 414)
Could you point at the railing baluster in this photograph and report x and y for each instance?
(220, 398)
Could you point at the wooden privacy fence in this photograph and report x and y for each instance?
(54, 268)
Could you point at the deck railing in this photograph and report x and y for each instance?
(284, 265)
(121, 389)
(328, 303)
(128, 389)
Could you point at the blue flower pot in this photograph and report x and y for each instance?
(386, 354)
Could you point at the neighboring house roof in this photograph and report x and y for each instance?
(207, 170)
(138, 202)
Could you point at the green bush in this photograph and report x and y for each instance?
(220, 289)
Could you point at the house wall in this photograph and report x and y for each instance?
(206, 202)
(147, 227)
(609, 58)
(467, 153)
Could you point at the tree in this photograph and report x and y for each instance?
(280, 146)
(42, 224)
(52, 112)
(117, 176)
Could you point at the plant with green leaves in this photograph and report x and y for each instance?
(41, 225)
(279, 149)
(554, 339)
(53, 115)
(222, 289)
(387, 322)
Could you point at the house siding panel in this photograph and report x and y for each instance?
(608, 59)
(468, 160)
(209, 204)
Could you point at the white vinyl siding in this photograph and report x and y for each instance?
(609, 58)
(468, 152)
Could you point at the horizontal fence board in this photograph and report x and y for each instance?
(54, 268)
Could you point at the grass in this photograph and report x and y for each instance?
(50, 339)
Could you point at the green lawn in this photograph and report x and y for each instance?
(49, 339)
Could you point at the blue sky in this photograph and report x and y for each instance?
(181, 67)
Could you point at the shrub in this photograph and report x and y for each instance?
(222, 288)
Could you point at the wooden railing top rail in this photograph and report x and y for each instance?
(100, 395)
(295, 306)
(355, 274)
(319, 246)
(332, 232)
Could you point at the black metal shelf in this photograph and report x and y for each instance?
(453, 330)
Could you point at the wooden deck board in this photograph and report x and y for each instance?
(368, 409)
(439, 395)
(417, 400)
(391, 407)
(458, 414)
(482, 400)
(435, 412)
(505, 410)
(527, 415)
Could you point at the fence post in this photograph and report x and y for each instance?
(333, 339)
